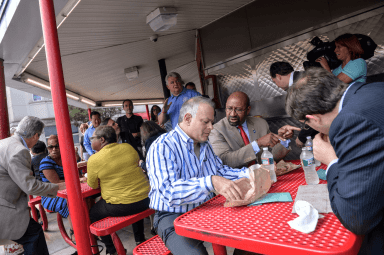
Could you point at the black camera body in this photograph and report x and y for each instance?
(327, 50)
(322, 49)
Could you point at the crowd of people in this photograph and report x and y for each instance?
(140, 165)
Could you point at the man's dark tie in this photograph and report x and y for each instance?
(246, 142)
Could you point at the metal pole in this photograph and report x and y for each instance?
(163, 74)
(89, 113)
(63, 125)
(4, 121)
(148, 115)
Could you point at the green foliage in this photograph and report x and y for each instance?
(79, 115)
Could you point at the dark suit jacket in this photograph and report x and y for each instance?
(229, 146)
(356, 182)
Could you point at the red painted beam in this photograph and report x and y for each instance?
(63, 125)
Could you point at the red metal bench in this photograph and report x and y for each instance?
(109, 226)
(153, 246)
(37, 201)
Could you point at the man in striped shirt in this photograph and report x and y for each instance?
(184, 172)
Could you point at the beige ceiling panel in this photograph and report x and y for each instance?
(101, 38)
(99, 74)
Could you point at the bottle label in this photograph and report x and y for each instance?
(267, 161)
(309, 148)
(308, 162)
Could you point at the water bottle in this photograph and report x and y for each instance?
(309, 145)
(267, 161)
(308, 163)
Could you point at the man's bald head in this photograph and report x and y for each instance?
(237, 108)
(240, 96)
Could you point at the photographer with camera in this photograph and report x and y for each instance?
(349, 51)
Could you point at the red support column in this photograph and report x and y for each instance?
(148, 115)
(63, 125)
(89, 113)
(4, 121)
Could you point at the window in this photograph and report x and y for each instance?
(37, 98)
(51, 130)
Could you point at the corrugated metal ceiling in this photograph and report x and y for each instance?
(101, 38)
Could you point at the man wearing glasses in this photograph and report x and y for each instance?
(238, 139)
(350, 119)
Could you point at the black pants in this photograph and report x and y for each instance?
(33, 240)
(102, 210)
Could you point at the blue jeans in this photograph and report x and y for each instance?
(33, 240)
(178, 245)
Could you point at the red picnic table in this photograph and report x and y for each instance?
(86, 191)
(264, 228)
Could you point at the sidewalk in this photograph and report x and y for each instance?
(57, 246)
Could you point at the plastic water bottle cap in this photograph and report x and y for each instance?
(265, 148)
(308, 137)
(304, 148)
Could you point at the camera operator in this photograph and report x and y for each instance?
(349, 51)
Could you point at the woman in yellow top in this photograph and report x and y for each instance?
(124, 186)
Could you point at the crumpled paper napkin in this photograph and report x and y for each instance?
(308, 217)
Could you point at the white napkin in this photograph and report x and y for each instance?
(308, 216)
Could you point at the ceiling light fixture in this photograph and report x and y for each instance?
(72, 96)
(112, 105)
(131, 73)
(39, 48)
(162, 19)
(42, 85)
(88, 101)
(47, 87)
(135, 102)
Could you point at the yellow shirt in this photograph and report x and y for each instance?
(122, 181)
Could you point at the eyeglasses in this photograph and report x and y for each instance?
(305, 126)
(237, 110)
(50, 147)
(93, 138)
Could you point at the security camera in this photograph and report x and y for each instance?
(153, 38)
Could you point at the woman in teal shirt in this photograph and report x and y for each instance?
(349, 51)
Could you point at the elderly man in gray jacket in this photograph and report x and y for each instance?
(16, 183)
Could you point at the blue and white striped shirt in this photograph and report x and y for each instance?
(179, 180)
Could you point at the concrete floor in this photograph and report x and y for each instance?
(57, 245)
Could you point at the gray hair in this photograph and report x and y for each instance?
(12, 130)
(29, 126)
(316, 92)
(107, 132)
(175, 75)
(192, 105)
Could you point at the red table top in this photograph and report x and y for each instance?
(86, 191)
(264, 229)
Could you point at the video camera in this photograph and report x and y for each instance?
(327, 50)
